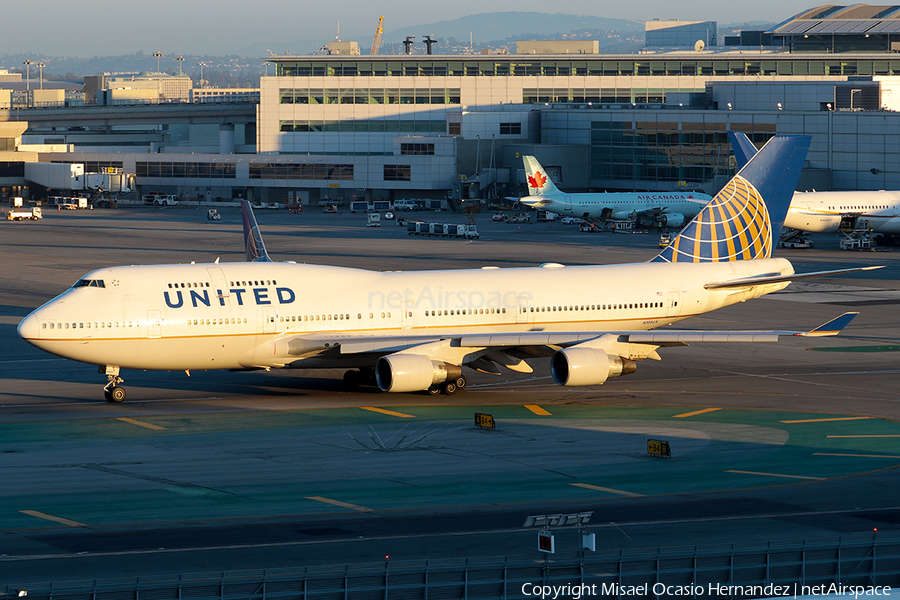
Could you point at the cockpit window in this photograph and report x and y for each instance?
(89, 283)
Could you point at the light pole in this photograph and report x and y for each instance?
(201, 74)
(180, 60)
(41, 65)
(158, 55)
(27, 64)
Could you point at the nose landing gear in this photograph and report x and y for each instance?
(111, 391)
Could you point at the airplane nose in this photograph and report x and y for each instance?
(29, 329)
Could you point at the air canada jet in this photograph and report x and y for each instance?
(829, 212)
(416, 331)
(666, 209)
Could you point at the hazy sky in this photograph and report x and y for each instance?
(105, 27)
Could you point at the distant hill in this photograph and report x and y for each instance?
(488, 27)
(489, 30)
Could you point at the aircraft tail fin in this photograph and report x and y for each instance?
(743, 220)
(743, 148)
(253, 242)
(539, 183)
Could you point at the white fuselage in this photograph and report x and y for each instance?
(822, 212)
(621, 205)
(252, 315)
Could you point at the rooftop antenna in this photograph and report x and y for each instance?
(408, 42)
(429, 43)
(337, 32)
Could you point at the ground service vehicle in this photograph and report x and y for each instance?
(20, 214)
(160, 199)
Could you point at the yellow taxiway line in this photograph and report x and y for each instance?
(775, 475)
(825, 420)
(140, 423)
(695, 413)
(863, 436)
(537, 410)
(339, 503)
(896, 456)
(40, 515)
(588, 486)
(388, 412)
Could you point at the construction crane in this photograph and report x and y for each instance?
(376, 41)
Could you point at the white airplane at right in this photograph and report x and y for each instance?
(667, 209)
(824, 212)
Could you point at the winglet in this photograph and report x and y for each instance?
(743, 148)
(832, 327)
(253, 242)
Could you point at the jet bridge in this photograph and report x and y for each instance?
(65, 176)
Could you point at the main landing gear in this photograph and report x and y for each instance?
(111, 391)
(449, 387)
(364, 376)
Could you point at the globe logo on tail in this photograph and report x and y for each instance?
(735, 225)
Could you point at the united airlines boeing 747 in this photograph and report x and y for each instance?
(410, 332)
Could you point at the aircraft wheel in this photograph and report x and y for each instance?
(461, 383)
(116, 395)
(450, 388)
(107, 395)
(352, 378)
(434, 390)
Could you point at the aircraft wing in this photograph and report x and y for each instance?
(466, 348)
(764, 279)
(656, 211)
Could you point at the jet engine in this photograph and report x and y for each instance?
(671, 220)
(587, 366)
(411, 372)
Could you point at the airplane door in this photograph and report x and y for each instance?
(267, 315)
(522, 313)
(568, 207)
(220, 286)
(407, 315)
(154, 324)
(672, 304)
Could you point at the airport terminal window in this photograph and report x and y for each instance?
(510, 129)
(340, 172)
(397, 173)
(186, 170)
(378, 95)
(374, 125)
(417, 149)
(12, 169)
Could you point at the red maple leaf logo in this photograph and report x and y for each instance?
(537, 181)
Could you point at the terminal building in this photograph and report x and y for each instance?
(347, 126)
